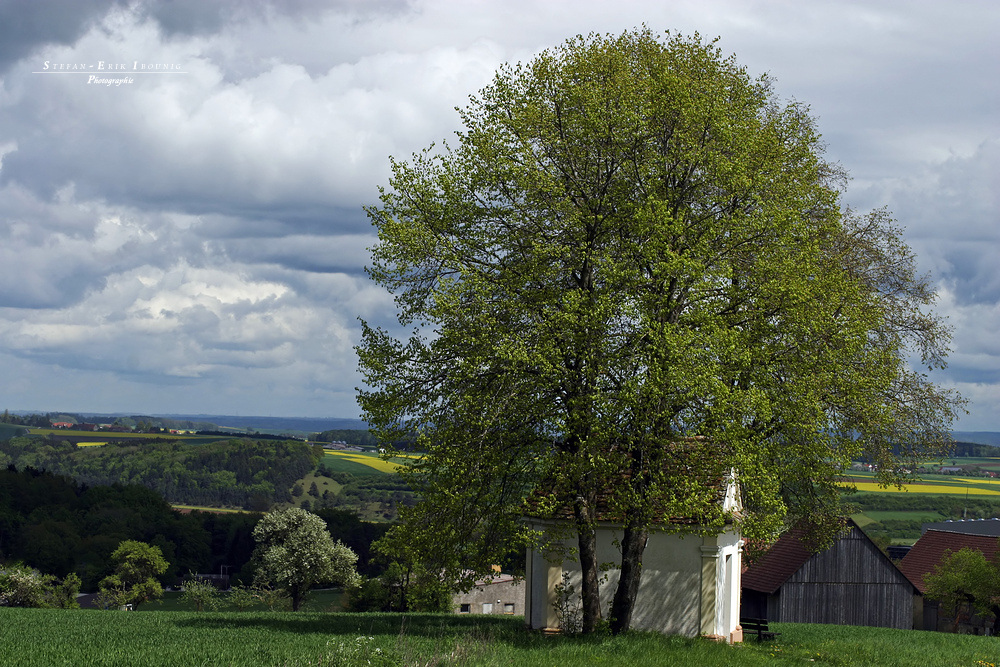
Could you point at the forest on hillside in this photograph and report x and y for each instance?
(251, 474)
(52, 523)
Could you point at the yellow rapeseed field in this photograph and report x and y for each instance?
(981, 481)
(930, 488)
(365, 459)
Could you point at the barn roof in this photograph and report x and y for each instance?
(930, 549)
(785, 558)
(778, 563)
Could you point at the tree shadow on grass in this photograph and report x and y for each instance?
(353, 624)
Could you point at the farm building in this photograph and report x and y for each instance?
(689, 585)
(500, 594)
(965, 527)
(931, 549)
(850, 583)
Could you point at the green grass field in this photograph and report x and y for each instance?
(904, 515)
(112, 638)
(325, 600)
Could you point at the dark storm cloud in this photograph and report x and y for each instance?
(200, 17)
(26, 25)
(207, 230)
(951, 212)
(342, 253)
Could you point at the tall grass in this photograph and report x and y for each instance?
(111, 638)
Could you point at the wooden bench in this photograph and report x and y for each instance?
(757, 626)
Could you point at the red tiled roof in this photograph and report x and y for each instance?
(929, 550)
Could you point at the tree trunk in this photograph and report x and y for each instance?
(590, 594)
(633, 544)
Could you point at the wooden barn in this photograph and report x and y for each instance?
(851, 583)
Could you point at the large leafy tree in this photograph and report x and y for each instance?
(634, 261)
(295, 552)
(134, 581)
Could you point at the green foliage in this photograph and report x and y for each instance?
(370, 594)
(200, 593)
(273, 598)
(22, 586)
(568, 606)
(359, 437)
(965, 577)
(401, 588)
(295, 552)
(8, 431)
(136, 566)
(632, 245)
(358, 535)
(35, 420)
(372, 494)
(224, 473)
(241, 597)
(54, 525)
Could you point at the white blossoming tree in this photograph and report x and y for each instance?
(295, 552)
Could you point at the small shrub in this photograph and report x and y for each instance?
(242, 597)
(200, 593)
(568, 609)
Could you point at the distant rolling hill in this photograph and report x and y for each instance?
(256, 423)
(978, 437)
(308, 424)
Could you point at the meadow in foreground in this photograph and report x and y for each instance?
(105, 638)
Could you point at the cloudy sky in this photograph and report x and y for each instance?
(192, 241)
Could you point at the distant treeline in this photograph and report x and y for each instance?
(360, 438)
(255, 436)
(139, 422)
(52, 523)
(251, 474)
(979, 437)
(37, 421)
(966, 449)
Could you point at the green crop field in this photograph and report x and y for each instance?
(905, 515)
(359, 463)
(8, 431)
(335, 463)
(319, 600)
(963, 461)
(68, 432)
(96, 438)
(45, 637)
